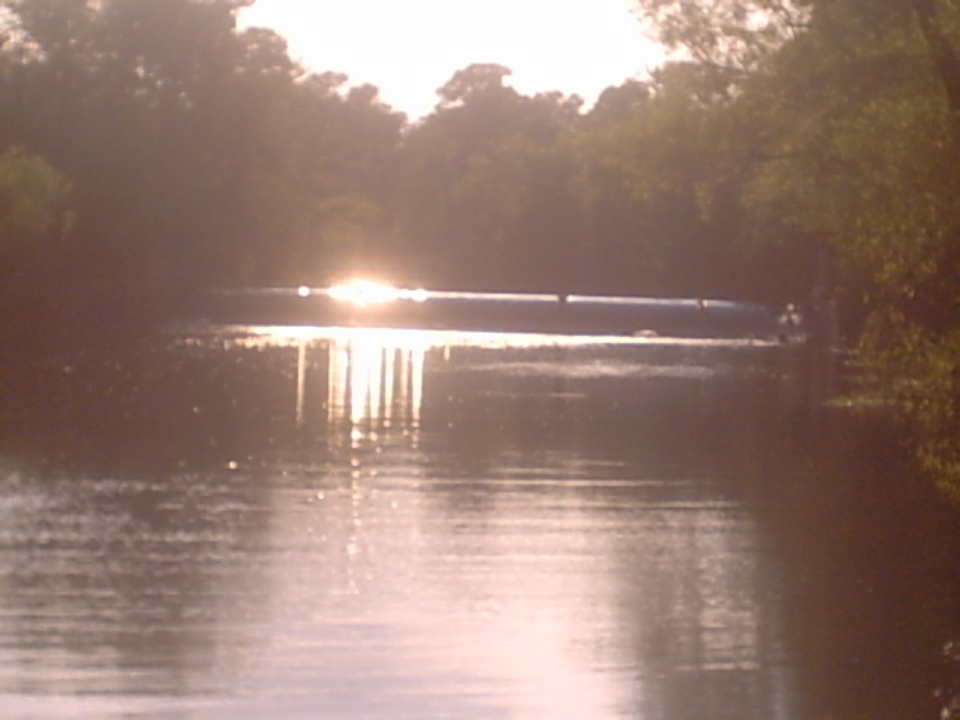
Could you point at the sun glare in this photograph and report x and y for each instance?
(365, 292)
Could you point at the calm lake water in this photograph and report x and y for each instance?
(253, 522)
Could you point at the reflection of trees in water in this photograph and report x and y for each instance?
(203, 403)
(126, 498)
(642, 442)
(138, 562)
(142, 476)
(698, 603)
(673, 412)
(127, 586)
(857, 610)
(868, 604)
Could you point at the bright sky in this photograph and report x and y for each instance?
(409, 49)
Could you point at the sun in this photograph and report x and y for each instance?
(367, 292)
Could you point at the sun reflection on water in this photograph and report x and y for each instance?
(373, 378)
(376, 378)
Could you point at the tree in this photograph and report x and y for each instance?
(200, 155)
(32, 196)
(855, 116)
(486, 198)
(477, 82)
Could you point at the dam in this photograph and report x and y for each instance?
(372, 305)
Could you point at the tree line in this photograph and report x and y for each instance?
(793, 150)
(200, 155)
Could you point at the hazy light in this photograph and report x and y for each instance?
(580, 46)
(303, 291)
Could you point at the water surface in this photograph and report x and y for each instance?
(253, 522)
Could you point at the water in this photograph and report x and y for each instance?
(320, 523)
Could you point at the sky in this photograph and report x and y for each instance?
(409, 49)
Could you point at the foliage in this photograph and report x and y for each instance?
(855, 140)
(721, 33)
(485, 200)
(199, 154)
(919, 373)
(32, 194)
